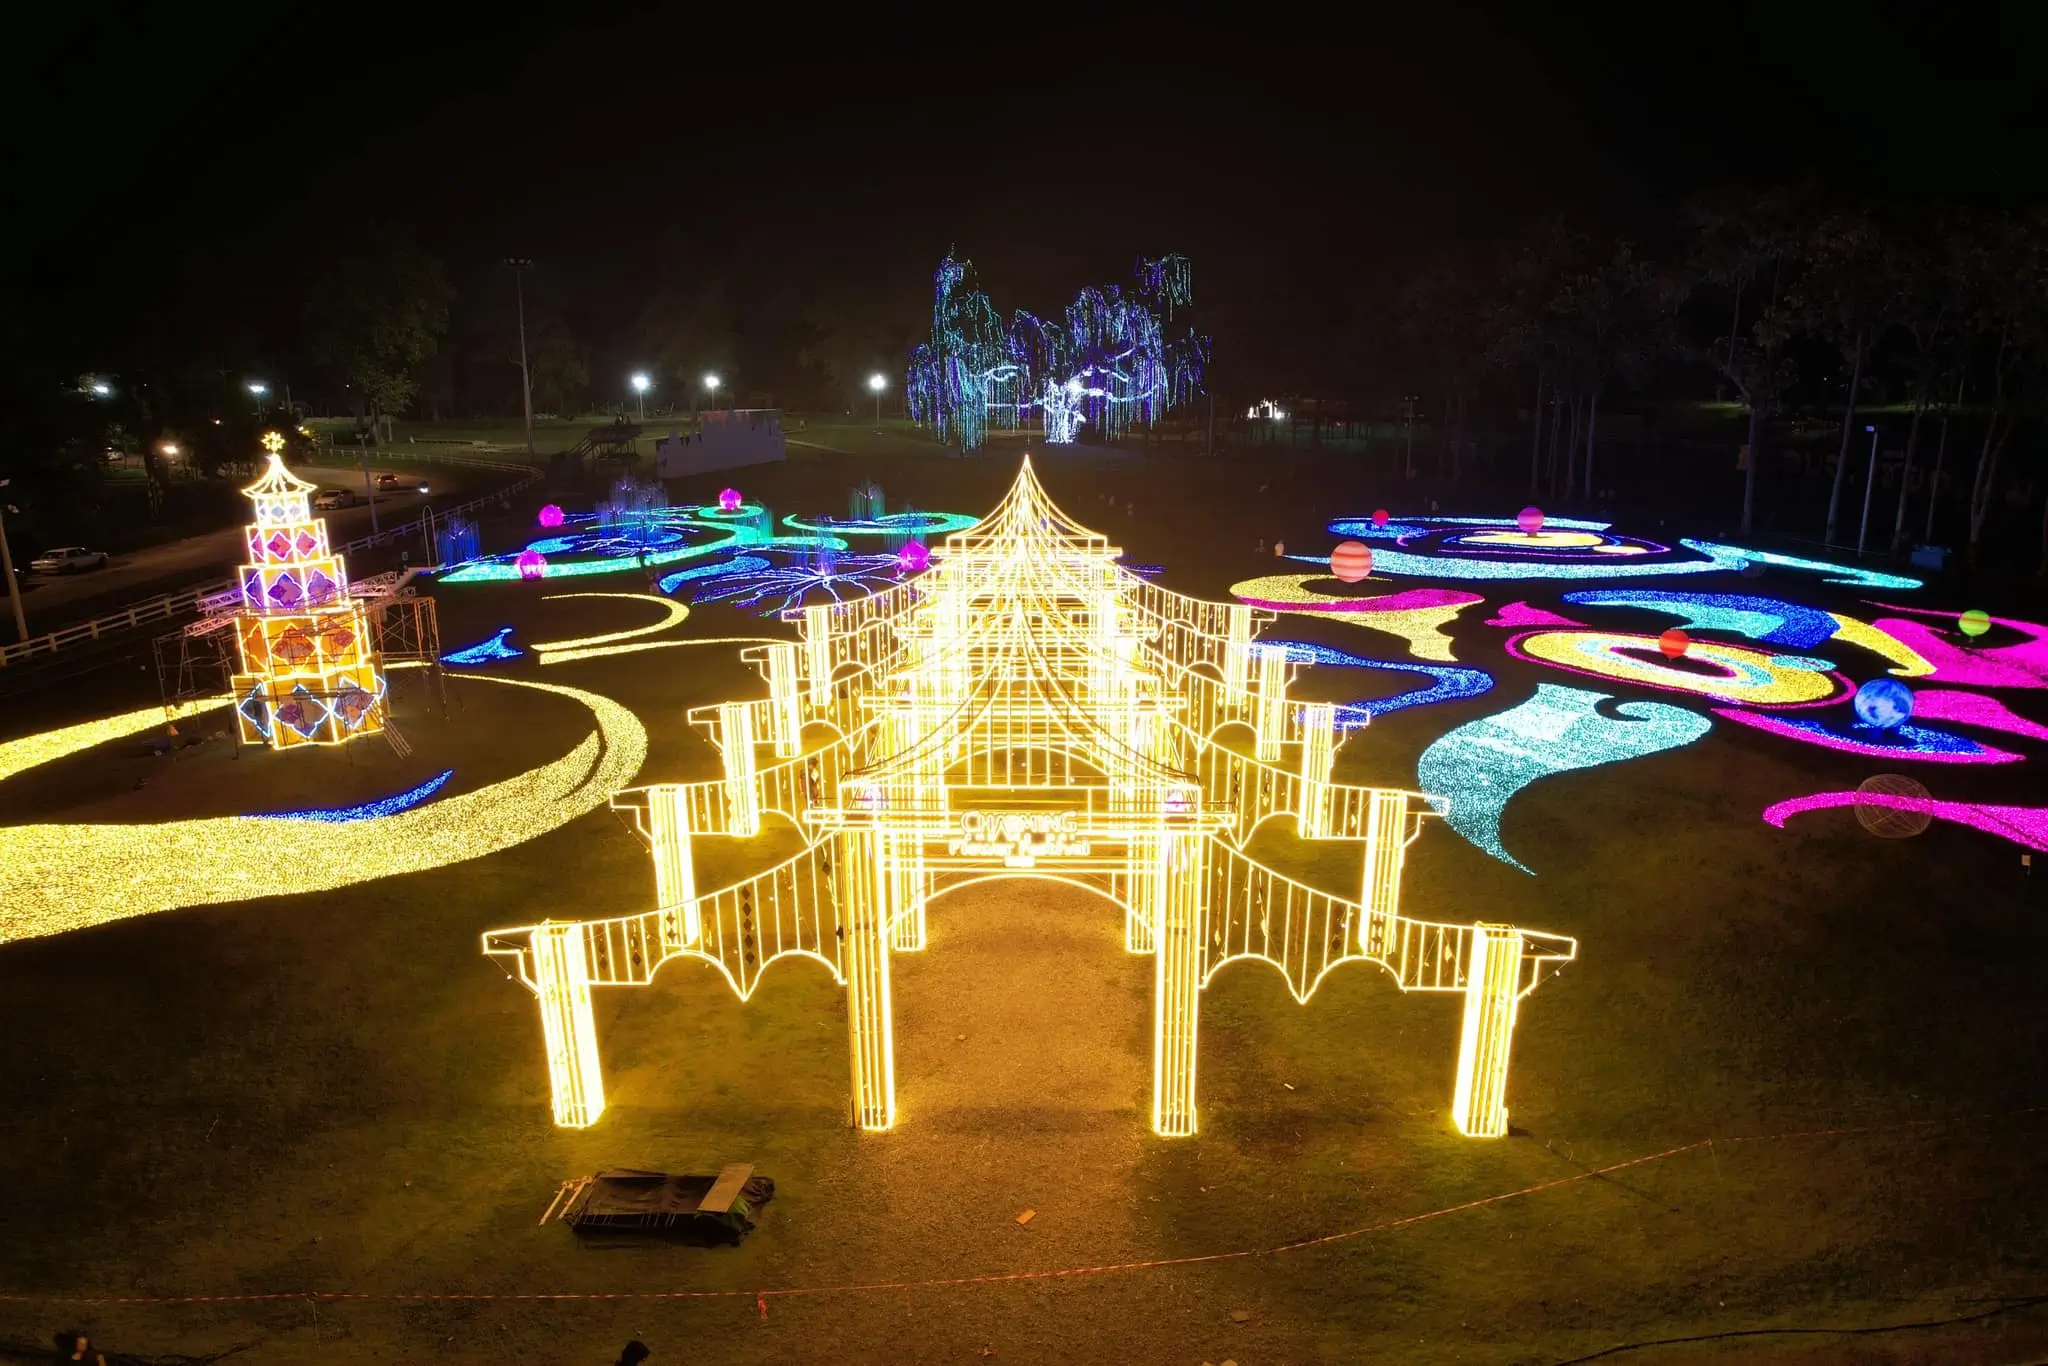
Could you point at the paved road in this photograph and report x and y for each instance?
(52, 601)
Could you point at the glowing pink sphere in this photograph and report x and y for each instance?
(532, 564)
(913, 558)
(729, 500)
(1530, 520)
(551, 516)
(1379, 516)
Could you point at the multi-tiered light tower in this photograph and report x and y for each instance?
(1027, 708)
(310, 672)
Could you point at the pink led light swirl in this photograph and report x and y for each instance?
(1974, 709)
(2006, 666)
(1410, 600)
(2023, 825)
(1516, 615)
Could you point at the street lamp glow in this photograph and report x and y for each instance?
(258, 388)
(711, 382)
(100, 388)
(169, 448)
(641, 383)
(877, 383)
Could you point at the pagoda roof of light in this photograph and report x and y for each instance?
(276, 479)
(1028, 517)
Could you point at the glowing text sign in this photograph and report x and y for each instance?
(1018, 838)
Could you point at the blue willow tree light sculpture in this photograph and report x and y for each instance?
(1107, 362)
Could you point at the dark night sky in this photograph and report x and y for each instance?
(1298, 163)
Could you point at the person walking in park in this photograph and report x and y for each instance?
(76, 1346)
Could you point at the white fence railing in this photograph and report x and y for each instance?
(186, 600)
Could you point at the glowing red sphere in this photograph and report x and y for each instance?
(1379, 516)
(1530, 520)
(1674, 643)
(1350, 561)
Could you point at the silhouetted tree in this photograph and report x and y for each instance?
(376, 309)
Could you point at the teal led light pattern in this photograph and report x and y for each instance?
(1735, 557)
(1411, 566)
(1771, 620)
(895, 524)
(1447, 683)
(486, 652)
(1470, 773)
(738, 564)
(1397, 529)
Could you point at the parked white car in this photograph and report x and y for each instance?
(68, 559)
(328, 499)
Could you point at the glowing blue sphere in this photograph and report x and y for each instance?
(1884, 704)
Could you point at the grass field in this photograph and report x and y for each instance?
(337, 1093)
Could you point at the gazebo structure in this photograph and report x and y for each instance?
(1027, 708)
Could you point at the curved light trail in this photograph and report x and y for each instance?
(1471, 773)
(62, 877)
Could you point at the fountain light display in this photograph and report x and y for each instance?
(773, 589)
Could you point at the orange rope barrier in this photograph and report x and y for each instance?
(761, 1297)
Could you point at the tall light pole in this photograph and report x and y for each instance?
(877, 383)
(257, 389)
(519, 268)
(640, 386)
(711, 387)
(369, 488)
(7, 565)
(1869, 485)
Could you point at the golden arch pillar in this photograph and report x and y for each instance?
(1386, 850)
(736, 748)
(1272, 700)
(675, 867)
(786, 721)
(1318, 752)
(1178, 886)
(1493, 978)
(561, 977)
(863, 883)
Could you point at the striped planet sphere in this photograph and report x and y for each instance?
(1351, 561)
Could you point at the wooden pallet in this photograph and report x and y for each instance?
(726, 1189)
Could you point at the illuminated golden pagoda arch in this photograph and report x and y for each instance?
(1027, 706)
